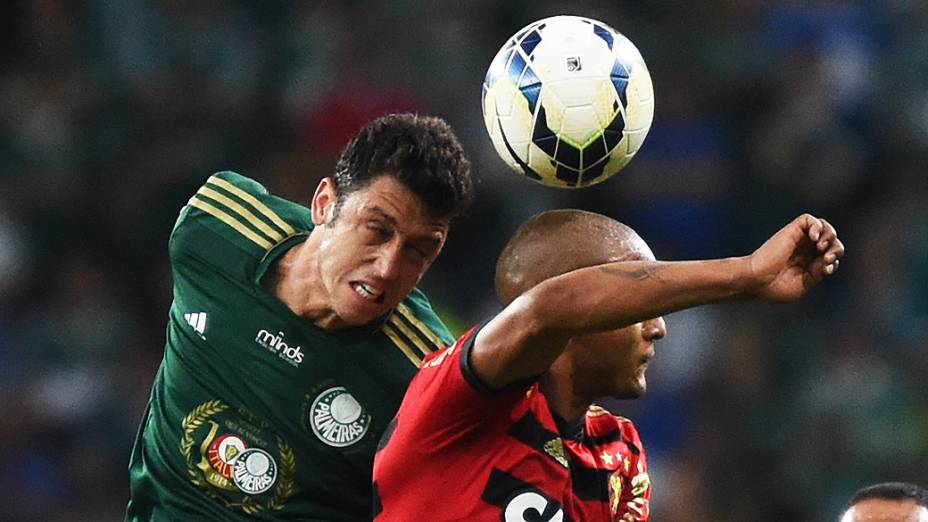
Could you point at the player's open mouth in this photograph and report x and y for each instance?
(367, 292)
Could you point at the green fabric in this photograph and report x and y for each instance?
(250, 412)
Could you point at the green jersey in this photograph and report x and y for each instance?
(255, 412)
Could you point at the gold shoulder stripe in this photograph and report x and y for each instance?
(254, 202)
(221, 215)
(274, 235)
(398, 323)
(425, 330)
(401, 344)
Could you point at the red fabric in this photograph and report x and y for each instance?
(458, 452)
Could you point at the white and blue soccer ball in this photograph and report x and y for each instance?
(568, 101)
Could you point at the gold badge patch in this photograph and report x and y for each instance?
(235, 458)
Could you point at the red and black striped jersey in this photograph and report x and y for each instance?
(459, 451)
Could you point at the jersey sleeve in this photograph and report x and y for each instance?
(444, 428)
(231, 222)
(634, 503)
(445, 384)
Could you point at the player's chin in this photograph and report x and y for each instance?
(360, 316)
(632, 388)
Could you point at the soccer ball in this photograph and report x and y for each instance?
(568, 101)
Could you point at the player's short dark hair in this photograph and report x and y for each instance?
(890, 491)
(422, 152)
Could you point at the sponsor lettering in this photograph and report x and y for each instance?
(276, 343)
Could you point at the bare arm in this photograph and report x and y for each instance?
(529, 334)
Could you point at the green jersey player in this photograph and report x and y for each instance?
(294, 332)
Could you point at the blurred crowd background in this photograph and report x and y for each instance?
(113, 112)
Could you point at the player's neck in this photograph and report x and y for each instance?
(294, 279)
(557, 386)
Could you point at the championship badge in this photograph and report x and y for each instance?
(234, 457)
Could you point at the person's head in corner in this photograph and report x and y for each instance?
(888, 502)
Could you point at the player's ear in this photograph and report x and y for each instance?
(323, 203)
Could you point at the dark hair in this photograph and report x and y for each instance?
(421, 152)
(891, 491)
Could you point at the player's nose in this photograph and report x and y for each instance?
(654, 329)
(389, 261)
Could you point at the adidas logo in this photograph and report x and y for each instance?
(198, 321)
(555, 448)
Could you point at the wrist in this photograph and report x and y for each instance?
(745, 279)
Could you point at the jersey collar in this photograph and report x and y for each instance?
(575, 431)
(276, 251)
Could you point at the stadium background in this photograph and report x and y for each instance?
(113, 112)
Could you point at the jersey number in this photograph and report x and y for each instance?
(532, 507)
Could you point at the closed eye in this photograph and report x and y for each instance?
(379, 230)
(426, 246)
(419, 252)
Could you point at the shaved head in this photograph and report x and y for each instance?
(559, 241)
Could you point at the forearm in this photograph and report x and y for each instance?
(529, 334)
(615, 295)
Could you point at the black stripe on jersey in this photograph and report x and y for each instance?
(504, 489)
(590, 483)
(377, 503)
(611, 436)
(468, 372)
(476, 382)
(614, 435)
(577, 432)
(529, 431)
(387, 433)
(587, 483)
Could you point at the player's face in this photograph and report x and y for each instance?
(886, 510)
(375, 249)
(614, 363)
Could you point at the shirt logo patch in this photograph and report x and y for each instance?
(236, 458)
(555, 448)
(221, 455)
(337, 418)
(198, 321)
(277, 344)
(254, 471)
